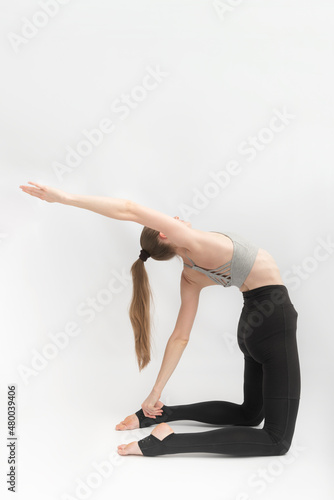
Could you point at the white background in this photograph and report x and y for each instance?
(226, 71)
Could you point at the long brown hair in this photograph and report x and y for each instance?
(142, 294)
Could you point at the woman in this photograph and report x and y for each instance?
(266, 334)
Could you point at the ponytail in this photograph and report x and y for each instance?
(142, 294)
(140, 313)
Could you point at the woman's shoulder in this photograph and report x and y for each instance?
(209, 249)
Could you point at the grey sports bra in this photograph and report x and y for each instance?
(236, 270)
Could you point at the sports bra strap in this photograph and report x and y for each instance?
(222, 267)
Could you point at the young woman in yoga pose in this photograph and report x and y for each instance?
(266, 334)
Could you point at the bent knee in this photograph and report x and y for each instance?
(252, 416)
(283, 446)
(281, 442)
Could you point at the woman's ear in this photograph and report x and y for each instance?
(162, 235)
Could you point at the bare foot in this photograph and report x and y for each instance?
(129, 423)
(160, 431)
(132, 422)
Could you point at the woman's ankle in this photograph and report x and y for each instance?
(148, 421)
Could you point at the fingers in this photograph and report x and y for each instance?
(28, 189)
(155, 411)
(36, 184)
(147, 414)
(32, 191)
(151, 414)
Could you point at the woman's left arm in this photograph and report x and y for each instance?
(123, 209)
(116, 208)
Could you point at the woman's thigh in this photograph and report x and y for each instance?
(271, 341)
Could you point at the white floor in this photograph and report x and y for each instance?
(72, 454)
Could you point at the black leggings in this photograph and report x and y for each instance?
(267, 339)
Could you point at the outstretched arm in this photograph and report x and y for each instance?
(122, 209)
(116, 208)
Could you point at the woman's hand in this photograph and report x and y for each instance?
(152, 406)
(45, 193)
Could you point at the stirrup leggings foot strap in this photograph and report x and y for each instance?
(151, 446)
(147, 421)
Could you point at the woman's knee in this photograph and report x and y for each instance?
(252, 416)
(280, 448)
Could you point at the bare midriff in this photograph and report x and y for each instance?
(263, 272)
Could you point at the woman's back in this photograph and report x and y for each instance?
(241, 264)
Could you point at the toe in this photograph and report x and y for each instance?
(121, 427)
